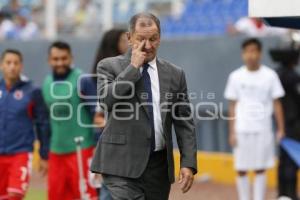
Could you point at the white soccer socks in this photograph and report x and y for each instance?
(243, 187)
(259, 186)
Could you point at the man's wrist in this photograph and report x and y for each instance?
(193, 170)
(135, 65)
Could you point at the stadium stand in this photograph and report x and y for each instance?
(205, 17)
(195, 17)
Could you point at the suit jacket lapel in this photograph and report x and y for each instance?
(139, 85)
(164, 87)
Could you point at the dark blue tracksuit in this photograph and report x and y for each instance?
(23, 117)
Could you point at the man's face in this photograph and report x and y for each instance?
(11, 66)
(147, 30)
(60, 60)
(251, 55)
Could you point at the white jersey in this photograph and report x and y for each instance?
(254, 92)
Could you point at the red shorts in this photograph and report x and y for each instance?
(15, 171)
(63, 176)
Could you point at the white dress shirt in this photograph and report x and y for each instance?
(158, 129)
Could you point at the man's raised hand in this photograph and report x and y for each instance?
(138, 56)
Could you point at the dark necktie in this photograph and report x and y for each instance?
(147, 84)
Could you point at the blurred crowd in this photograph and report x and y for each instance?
(25, 20)
(81, 18)
(16, 22)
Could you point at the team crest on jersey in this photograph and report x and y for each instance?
(18, 94)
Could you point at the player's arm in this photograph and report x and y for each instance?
(41, 122)
(231, 94)
(279, 117)
(277, 93)
(231, 115)
(42, 128)
(88, 88)
(88, 93)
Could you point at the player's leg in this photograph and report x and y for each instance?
(259, 185)
(4, 169)
(287, 176)
(19, 175)
(57, 180)
(15, 196)
(243, 185)
(243, 163)
(264, 159)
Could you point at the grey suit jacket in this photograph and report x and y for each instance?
(124, 147)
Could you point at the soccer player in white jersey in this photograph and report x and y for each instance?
(254, 93)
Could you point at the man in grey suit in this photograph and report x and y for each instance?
(144, 96)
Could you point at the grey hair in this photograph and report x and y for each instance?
(134, 19)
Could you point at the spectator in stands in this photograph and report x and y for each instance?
(38, 14)
(82, 15)
(113, 43)
(7, 27)
(254, 27)
(12, 8)
(26, 29)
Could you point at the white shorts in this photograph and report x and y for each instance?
(254, 151)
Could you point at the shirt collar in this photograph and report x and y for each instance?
(59, 77)
(19, 83)
(152, 63)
